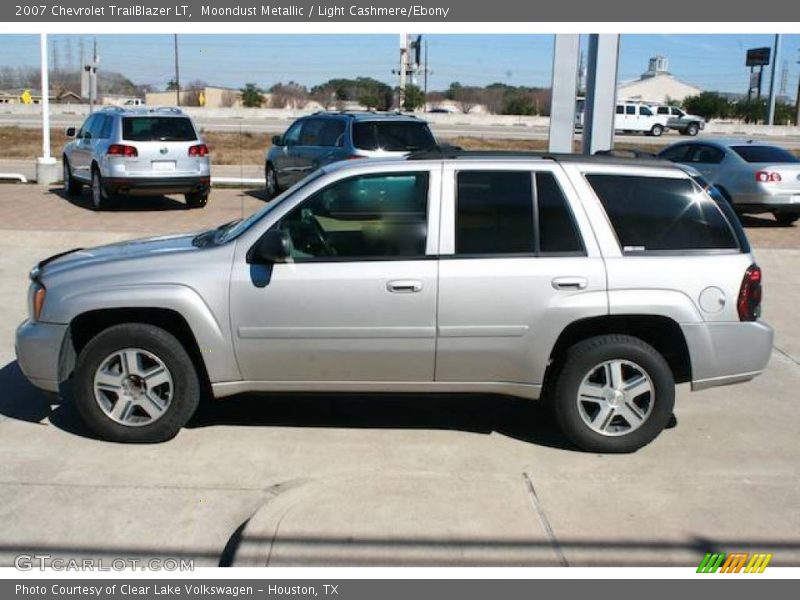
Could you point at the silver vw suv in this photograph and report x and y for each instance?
(596, 284)
(137, 151)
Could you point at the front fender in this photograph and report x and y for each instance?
(212, 333)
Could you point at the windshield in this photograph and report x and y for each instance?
(392, 136)
(238, 228)
(158, 129)
(765, 154)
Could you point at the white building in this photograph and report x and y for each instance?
(656, 84)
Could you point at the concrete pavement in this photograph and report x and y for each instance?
(389, 480)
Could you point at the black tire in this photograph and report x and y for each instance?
(196, 199)
(271, 187)
(99, 195)
(692, 129)
(581, 359)
(72, 187)
(786, 219)
(656, 130)
(162, 344)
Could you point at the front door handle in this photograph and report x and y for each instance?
(404, 286)
(570, 283)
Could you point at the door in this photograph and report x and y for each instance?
(518, 272)
(706, 159)
(285, 161)
(81, 157)
(357, 301)
(318, 144)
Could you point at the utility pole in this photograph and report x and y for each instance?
(177, 75)
(425, 79)
(401, 96)
(797, 103)
(772, 81)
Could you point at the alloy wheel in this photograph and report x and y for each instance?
(133, 387)
(615, 397)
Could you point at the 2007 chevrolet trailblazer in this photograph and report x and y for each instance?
(594, 283)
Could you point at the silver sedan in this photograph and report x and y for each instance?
(755, 177)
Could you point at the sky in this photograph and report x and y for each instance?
(711, 62)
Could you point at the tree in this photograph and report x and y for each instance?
(708, 105)
(172, 85)
(414, 98)
(252, 96)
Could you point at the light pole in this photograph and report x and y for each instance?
(46, 165)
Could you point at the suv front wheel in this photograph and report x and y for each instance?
(72, 187)
(615, 393)
(136, 383)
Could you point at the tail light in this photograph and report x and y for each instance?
(768, 177)
(122, 150)
(354, 157)
(749, 302)
(198, 150)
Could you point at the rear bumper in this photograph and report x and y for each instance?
(38, 347)
(725, 353)
(157, 185)
(756, 203)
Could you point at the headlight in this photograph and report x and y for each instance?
(38, 292)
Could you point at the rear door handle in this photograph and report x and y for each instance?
(570, 283)
(404, 286)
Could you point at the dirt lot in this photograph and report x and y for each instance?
(246, 148)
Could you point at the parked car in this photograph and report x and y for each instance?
(755, 177)
(327, 137)
(137, 151)
(679, 120)
(594, 283)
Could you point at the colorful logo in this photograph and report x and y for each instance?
(734, 563)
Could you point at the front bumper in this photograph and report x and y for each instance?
(157, 185)
(38, 346)
(724, 353)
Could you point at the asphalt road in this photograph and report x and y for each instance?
(458, 128)
(388, 480)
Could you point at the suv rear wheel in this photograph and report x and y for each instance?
(786, 219)
(136, 383)
(99, 195)
(196, 199)
(615, 393)
(72, 187)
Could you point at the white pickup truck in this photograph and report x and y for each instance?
(679, 120)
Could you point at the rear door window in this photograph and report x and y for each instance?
(765, 154)
(662, 214)
(558, 233)
(392, 136)
(706, 155)
(494, 213)
(158, 129)
(677, 153)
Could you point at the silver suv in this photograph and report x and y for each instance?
(326, 137)
(595, 283)
(137, 151)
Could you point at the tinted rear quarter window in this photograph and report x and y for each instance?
(394, 136)
(662, 214)
(765, 154)
(158, 129)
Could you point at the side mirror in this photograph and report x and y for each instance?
(273, 247)
(70, 132)
(277, 140)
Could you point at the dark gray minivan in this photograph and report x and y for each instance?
(326, 137)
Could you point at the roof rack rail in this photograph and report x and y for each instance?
(112, 109)
(167, 109)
